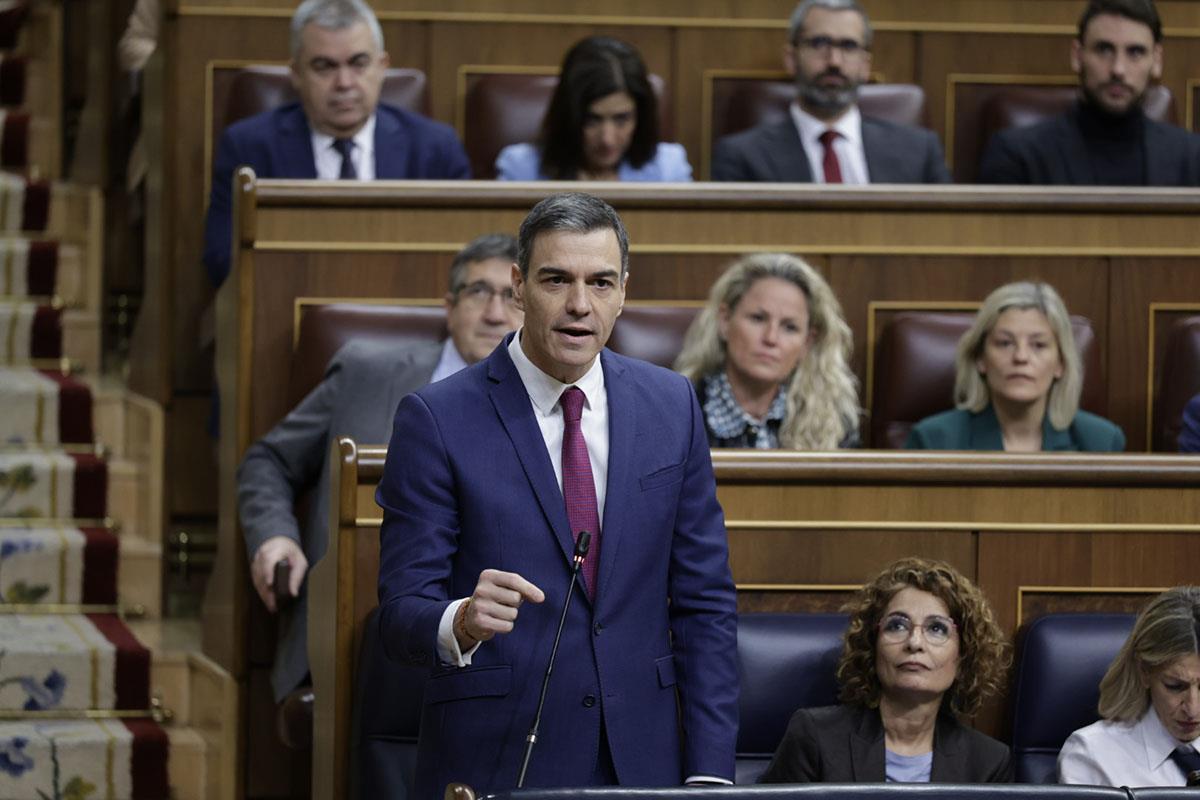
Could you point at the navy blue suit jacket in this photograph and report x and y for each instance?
(278, 144)
(469, 485)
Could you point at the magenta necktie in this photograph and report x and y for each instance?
(578, 489)
(833, 168)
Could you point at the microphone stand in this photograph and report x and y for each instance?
(581, 549)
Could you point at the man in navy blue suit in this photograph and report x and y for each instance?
(491, 475)
(339, 129)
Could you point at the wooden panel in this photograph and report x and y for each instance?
(1138, 285)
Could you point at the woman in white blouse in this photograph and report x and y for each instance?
(1149, 704)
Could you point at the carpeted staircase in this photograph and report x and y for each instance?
(76, 716)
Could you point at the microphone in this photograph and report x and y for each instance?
(582, 543)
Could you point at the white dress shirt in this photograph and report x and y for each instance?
(1121, 754)
(449, 362)
(848, 147)
(329, 160)
(544, 393)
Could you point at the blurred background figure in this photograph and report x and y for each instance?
(1149, 704)
(1018, 382)
(601, 125)
(769, 357)
(921, 648)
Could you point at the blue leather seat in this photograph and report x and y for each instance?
(786, 661)
(1061, 659)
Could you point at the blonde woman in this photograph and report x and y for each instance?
(769, 357)
(1149, 703)
(1018, 382)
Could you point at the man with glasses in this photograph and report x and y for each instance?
(1104, 138)
(825, 138)
(358, 396)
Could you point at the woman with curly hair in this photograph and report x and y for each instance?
(1149, 704)
(922, 648)
(769, 357)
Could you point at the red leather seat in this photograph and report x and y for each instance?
(1179, 383)
(741, 103)
(914, 371)
(650, 332)
(502, 109)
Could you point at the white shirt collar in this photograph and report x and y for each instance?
(364, 148)
(849, 125)
(1157, 739)
(544, 390)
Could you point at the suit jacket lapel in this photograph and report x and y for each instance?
(984, 431)
(786, 153)
(391, 146)
(511, 401)
(948, 766)
(1161, 168)
(295, 144)
(866, 748)
(622, 464)
(880, 154)
(412, 371)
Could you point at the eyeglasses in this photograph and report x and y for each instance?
(824, 45)
(897, 628)
(480, 294)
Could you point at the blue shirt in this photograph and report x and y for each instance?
(523, 162)
(908, 769)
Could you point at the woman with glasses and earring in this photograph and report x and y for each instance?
(922, 648)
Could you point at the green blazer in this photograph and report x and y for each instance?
(963, 430)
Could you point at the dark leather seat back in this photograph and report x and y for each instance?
(260, 88)
(786, 662)
(1019, 105)
(502, 109)
(652, 333)
(741, 103)
(385, 720)
(1060, 661)
(914, 371)
(1180, 382)
(324, 329)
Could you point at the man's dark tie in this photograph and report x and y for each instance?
(579, 491)
(833, 169)
(1189, 761)
(346, 147)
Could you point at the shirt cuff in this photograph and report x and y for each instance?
(708, 779)
(447, 644)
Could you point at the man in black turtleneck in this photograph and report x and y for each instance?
(1104, 139)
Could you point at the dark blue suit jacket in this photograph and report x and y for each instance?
(278, 144)
(469, 485)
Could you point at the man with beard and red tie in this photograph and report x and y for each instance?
(825, 138)
(1104, 139)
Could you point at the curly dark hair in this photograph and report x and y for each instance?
(984, 653)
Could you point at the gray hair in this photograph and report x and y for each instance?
(801, 13)
(822, 392)
(482, 248)
(1167, 629)
(570, 211)
(970, 388)
(333, 15)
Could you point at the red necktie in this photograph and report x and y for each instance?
(579, 491)
(833, 170)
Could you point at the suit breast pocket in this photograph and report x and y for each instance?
(667, 476)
